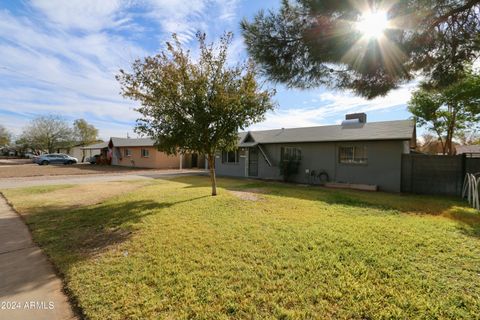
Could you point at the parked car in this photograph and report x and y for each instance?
(54, 158)
(29, 155)
(94, 159)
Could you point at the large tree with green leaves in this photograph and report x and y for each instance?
(47, 133)
(84, 133)
(449, 111)
(5, 136)
(195, 105)
(309, 43)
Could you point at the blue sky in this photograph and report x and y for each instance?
(60, 57)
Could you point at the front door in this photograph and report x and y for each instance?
(194, 160)
(253, 162)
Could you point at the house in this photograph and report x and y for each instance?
(141, 152)
(100, 148)
(353, 152)
(80, 151)
(74, 151)
(469, 150)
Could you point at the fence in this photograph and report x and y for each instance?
(441, 175)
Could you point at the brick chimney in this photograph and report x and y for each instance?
(362, 117)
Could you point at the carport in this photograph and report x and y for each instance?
(94, 149)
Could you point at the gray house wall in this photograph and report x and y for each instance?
(231, 169)
(383, 167)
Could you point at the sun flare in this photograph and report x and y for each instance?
(373, 24)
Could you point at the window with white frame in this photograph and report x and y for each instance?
(145, 153)
(352, 154)
(230, 156)
(128, 152)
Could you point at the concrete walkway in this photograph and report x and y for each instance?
(29, 287)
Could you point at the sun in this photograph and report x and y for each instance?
(373, 24)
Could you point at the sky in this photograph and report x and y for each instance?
(60, 58)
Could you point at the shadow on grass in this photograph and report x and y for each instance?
(449, 207)
(86, 231)
(102, 168)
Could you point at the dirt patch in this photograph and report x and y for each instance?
(76, 196)
(13, 162)
(248, 194)
(32, 170)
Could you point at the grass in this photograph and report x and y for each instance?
(168, 250)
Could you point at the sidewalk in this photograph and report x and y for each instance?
(29, 288)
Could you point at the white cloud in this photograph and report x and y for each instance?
(62, 57)
(87, 15)
(337, 102)
(332, 105)
(186, 17)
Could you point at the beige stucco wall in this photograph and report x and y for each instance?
(156, 159)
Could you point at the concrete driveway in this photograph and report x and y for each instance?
(9, 183)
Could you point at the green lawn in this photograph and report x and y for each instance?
(167, 250)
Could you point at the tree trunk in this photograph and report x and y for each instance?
(211, 167)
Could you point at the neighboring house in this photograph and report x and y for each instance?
(100, 148)
(75, 152)
(472, 149)
(80, 151)
(142, 153)
(354, 152)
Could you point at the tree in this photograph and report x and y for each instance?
(5, 136)
(84, 133)
(450, 110)
(195, 105)
(310, 43)
(468, 137)
(47, 133)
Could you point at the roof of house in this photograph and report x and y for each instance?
(385, 130)
(99, 145)
(468, 149)
(129, 142)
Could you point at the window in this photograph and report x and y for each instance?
(230, 156)
(128, 153)
(290, 153)
(145, 153)
(353, 154)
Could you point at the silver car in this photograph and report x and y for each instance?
(54, 158)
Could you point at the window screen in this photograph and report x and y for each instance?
(353, 154)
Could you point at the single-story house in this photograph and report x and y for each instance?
(82, 152)
(100, 148)
(75, 151)
(354, 152)
(470, 149)
(141, 152)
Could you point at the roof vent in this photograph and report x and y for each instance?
(362, 117)
(350, 122)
